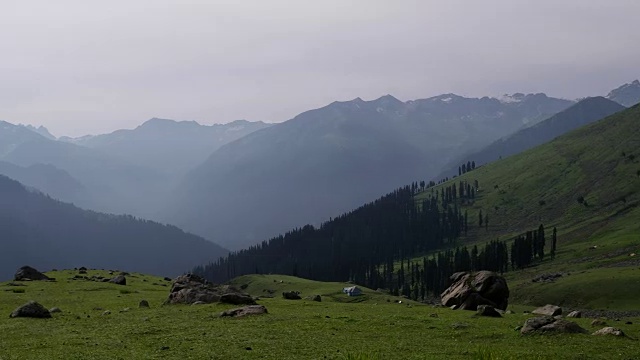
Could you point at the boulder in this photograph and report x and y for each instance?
(119, 280)
(548, 310)
(317, 298)
(191, 289)
(245, 311)
(574, 314)
(609, 331)
(545, 324)
(27, 273)
(468, 290)
(291, 295)
(143, 304)
(486, 310)
(237, 299)
(31, 309)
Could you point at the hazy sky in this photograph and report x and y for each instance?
(87, 66)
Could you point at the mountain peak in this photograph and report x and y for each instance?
(627, 94)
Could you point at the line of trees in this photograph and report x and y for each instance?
(465, 168)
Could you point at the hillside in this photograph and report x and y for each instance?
(45, 233)
(331, 160)
(587, 184)
(103, 321)
(46, 178)
(584, 112)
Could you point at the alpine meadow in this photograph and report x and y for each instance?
(320, 180)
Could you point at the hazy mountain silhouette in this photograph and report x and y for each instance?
(45, 233)
(172, 147)
(46, 178)
(627, 94)
(580, 114)
(329, 160)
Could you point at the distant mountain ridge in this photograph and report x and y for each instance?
(170, 146)
(627, 94)
(46, 233)
(580, 114)
(329, 160)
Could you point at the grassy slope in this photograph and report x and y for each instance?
(588, 162)
(292, 330)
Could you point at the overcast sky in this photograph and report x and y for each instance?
(84, 66)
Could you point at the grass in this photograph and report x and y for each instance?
(333, 329)
(598, 163)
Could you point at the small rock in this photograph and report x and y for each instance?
(486, 310)
(317, 298)
(143, 304)
(548, 310)
(165, 348)
(31, 309)
(119, 280)
(248, 348)
(574, 314)
(245, 311)
(609, 331)
(598, 322)
(509, 312)
(629, 323)
(433, 315)
(106, 313)
(125, 310)
(167, 278)
(198, 303)
(291, 295)
(546, 324)
(237, 299)
(55, 310)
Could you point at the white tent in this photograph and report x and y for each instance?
(352, 291)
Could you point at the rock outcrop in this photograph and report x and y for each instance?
(548, 310)
(191, 288)
(31, 309)
(245, 311)
(469, 290)
(487, 310)
(27, 273)
(119, 280)
(546, 324)
(291, 295)
(574, 314)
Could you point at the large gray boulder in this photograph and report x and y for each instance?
(27, 273)
(191, 288)
(31, 309)
(548, 310)
(548, 324)
(119, 280)
(244, 311)
(469, 290)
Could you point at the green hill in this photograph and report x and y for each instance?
(587, 184)
(103, 321)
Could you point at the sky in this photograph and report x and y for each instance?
(89, 67)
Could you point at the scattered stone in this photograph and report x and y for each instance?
(125, 310)
(31, 309)
(546, 324)
(55, 310)
(486, 310)
(82, 271)
(166, 278)
(510, 312)
(199, 303)
(317, 298)
(119, 280)
(245, 311)
(468, 290)
(454, 307)
(143, 304)
(82, 268)
(106, 313)
(165, 348)
(548, 310)
(291, 295)
(15, 284)
(191, 288)
(237, 299)
(598, 322)
(574, 314)
(433, 315)
(609, 331)
(629, 323)
(97, 308)
(547, 278)
(248, 348)
(27, 273)
(459, 325)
